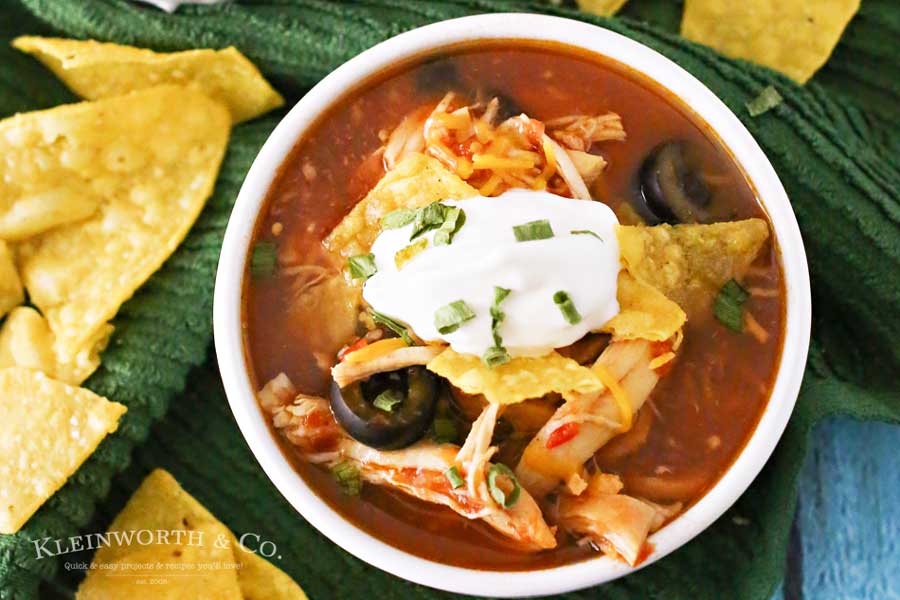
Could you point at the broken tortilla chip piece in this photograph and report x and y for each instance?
(643, 312)
(11, 292)
(194, 537)
(417, 181)
(47, 429)
(153, 166)
(95, 70)
(602, 8)
(795, 37)
(519, 379)
(26, 341)
(689, 264)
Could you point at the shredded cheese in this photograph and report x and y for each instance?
(618, 394)
(661, 360)
(498, 163)
(374, 350)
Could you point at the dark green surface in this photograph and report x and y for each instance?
(831, 143)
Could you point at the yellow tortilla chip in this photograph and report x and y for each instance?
(153, 166)
(643, 312)
(47, 429)
(94, 70)
(519, 379)
(417, 181)
(603, 8)
(161, 505)
(11, 292)
(26, 341)
(795, 37)
(689, 264)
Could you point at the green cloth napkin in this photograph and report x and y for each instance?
(833, 142)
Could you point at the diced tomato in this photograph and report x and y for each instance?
(360, 343)
(561, 435)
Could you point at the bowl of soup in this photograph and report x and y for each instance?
(511, 305)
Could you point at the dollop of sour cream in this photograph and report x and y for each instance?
(484, 253)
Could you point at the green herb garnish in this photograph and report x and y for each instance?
(567, 307)
(765, 101)
(264, 259)
(362, 266)
(347, 476)
(447, 319)
(428, 218)
(504, 499)
(387, 400)
(398, 218)
(395, 326)
(405, 255)
(452, 474)
(534, 230)
(497, 355)
(729, 305)
(585, 232)
(454, 219)
(444, 430)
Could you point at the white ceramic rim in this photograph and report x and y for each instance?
(227, 309)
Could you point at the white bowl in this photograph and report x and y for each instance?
(736, 138)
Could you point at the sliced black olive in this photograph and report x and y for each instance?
(438, 74)
(672, 189)
(405, 422)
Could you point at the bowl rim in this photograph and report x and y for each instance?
(647, 62)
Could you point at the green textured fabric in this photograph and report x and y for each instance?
(832, 142)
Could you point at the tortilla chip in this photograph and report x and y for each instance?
(261, 580)
(603, 8)
(417, 181)
(795, 37)
(153, 166)
(94, 70)
(47, 429)
(689, 264)
(643, 312)
(11, 292)
(519, 379)
(160, 504)
(26, 341)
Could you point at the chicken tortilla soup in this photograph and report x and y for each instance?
(511, 306)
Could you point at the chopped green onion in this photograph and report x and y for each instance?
(347, 476)
(264, 259)
(765, 101)
(567, 307)
(362, 266)
(428, 218)
(444, 430)
(398, 218)
(533, 230)
(395, 326)
(454, 219)
(447, 319)
(500, 497)
(405, 255)
(585, 232)
(387, 400)
(452, 474)
(729, 305)
(495, 356)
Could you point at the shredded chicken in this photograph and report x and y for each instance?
(597, 416)
(345, 373)
(579, 132)
(616, 523)
(589, 166)
(568, 171)
(419, 470)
